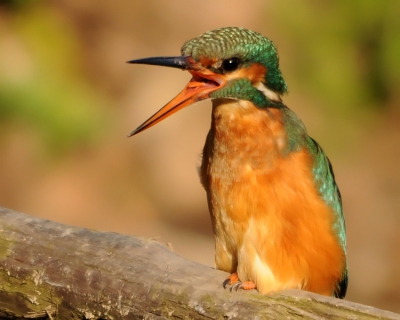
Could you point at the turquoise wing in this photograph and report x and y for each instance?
(325, 181)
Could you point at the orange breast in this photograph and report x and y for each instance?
(270, 224)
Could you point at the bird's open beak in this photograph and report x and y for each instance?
(199, 87)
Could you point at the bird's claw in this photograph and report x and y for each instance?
(236, 286)
(247, 285)
(233, 278)
(226, 283)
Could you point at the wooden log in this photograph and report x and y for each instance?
(49, 270)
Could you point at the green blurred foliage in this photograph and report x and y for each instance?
(15, 4)
(364, 39)
(41, 83)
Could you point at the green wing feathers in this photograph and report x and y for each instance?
(326, 184)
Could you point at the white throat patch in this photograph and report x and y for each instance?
(271, 95)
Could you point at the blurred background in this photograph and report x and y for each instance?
(68, 101)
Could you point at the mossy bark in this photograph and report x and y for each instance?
(50, 270)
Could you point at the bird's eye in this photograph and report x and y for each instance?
(230, 65)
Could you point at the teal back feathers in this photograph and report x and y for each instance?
(327, 187)
(324, 179)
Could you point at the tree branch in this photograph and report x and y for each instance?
(49, 270)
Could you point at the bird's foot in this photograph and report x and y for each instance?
(233, 280)
(246, 285)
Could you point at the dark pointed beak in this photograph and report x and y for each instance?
(203, 82)
(179, 62)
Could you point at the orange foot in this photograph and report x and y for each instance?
(233, 279)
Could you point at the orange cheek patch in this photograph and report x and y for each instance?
(255, 73)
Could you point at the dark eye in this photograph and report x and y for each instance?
(230, 65)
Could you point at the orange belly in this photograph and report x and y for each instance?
(270, 224)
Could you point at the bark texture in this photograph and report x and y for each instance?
(54, 271)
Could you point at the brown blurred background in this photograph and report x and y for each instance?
(68, 100)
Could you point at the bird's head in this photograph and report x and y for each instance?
(227, 63)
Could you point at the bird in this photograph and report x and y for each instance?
(275, 208)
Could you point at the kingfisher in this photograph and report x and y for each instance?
(275, 208)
